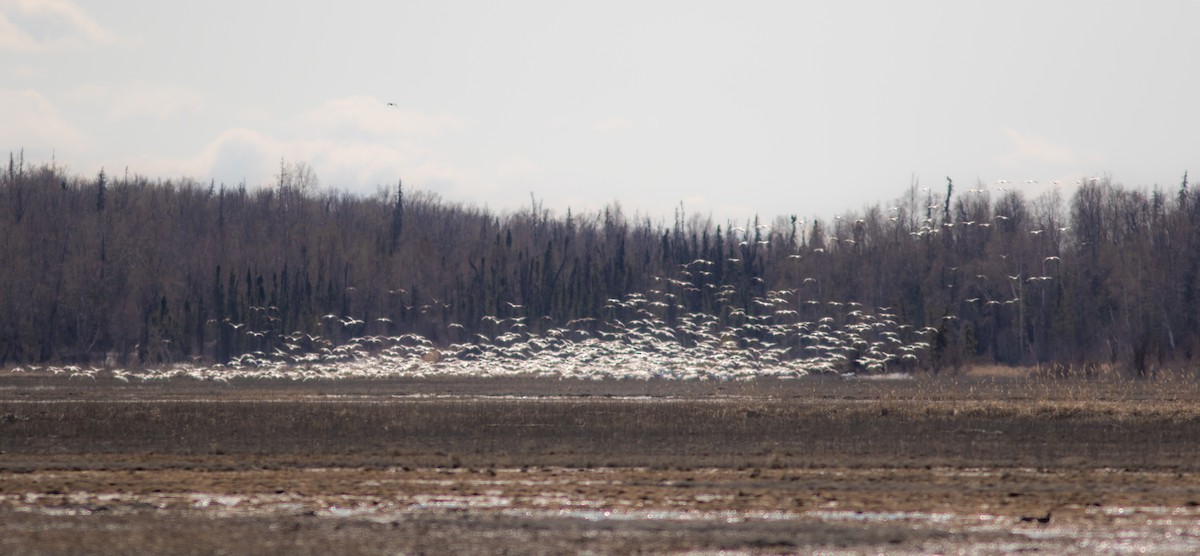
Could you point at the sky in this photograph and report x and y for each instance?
(728, 109)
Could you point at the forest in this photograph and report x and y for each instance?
(131, 271)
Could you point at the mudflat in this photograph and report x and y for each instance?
(932, 464)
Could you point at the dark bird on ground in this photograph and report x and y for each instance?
(1030, 519)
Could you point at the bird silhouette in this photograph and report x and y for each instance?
(1040, 519)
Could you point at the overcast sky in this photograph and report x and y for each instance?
(731, 108)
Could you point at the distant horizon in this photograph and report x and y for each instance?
(1110, 272)
(1031, 189)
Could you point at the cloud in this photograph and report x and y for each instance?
(159, 101)
(32, 121)
(517, 167)
(356, 144)
(612, 123)
(139, 99)
(559, 123)
(1033, 149)
(42, 25)
(243, 155)
(235, 155)
(371, 116)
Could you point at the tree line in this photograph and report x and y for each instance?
(132, 271)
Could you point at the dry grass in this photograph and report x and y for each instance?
(110, 467)
(964, 421)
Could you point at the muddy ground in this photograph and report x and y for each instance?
(967, 464)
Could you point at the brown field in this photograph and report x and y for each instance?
(996, 462)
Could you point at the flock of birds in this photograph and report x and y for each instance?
(641, 336)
